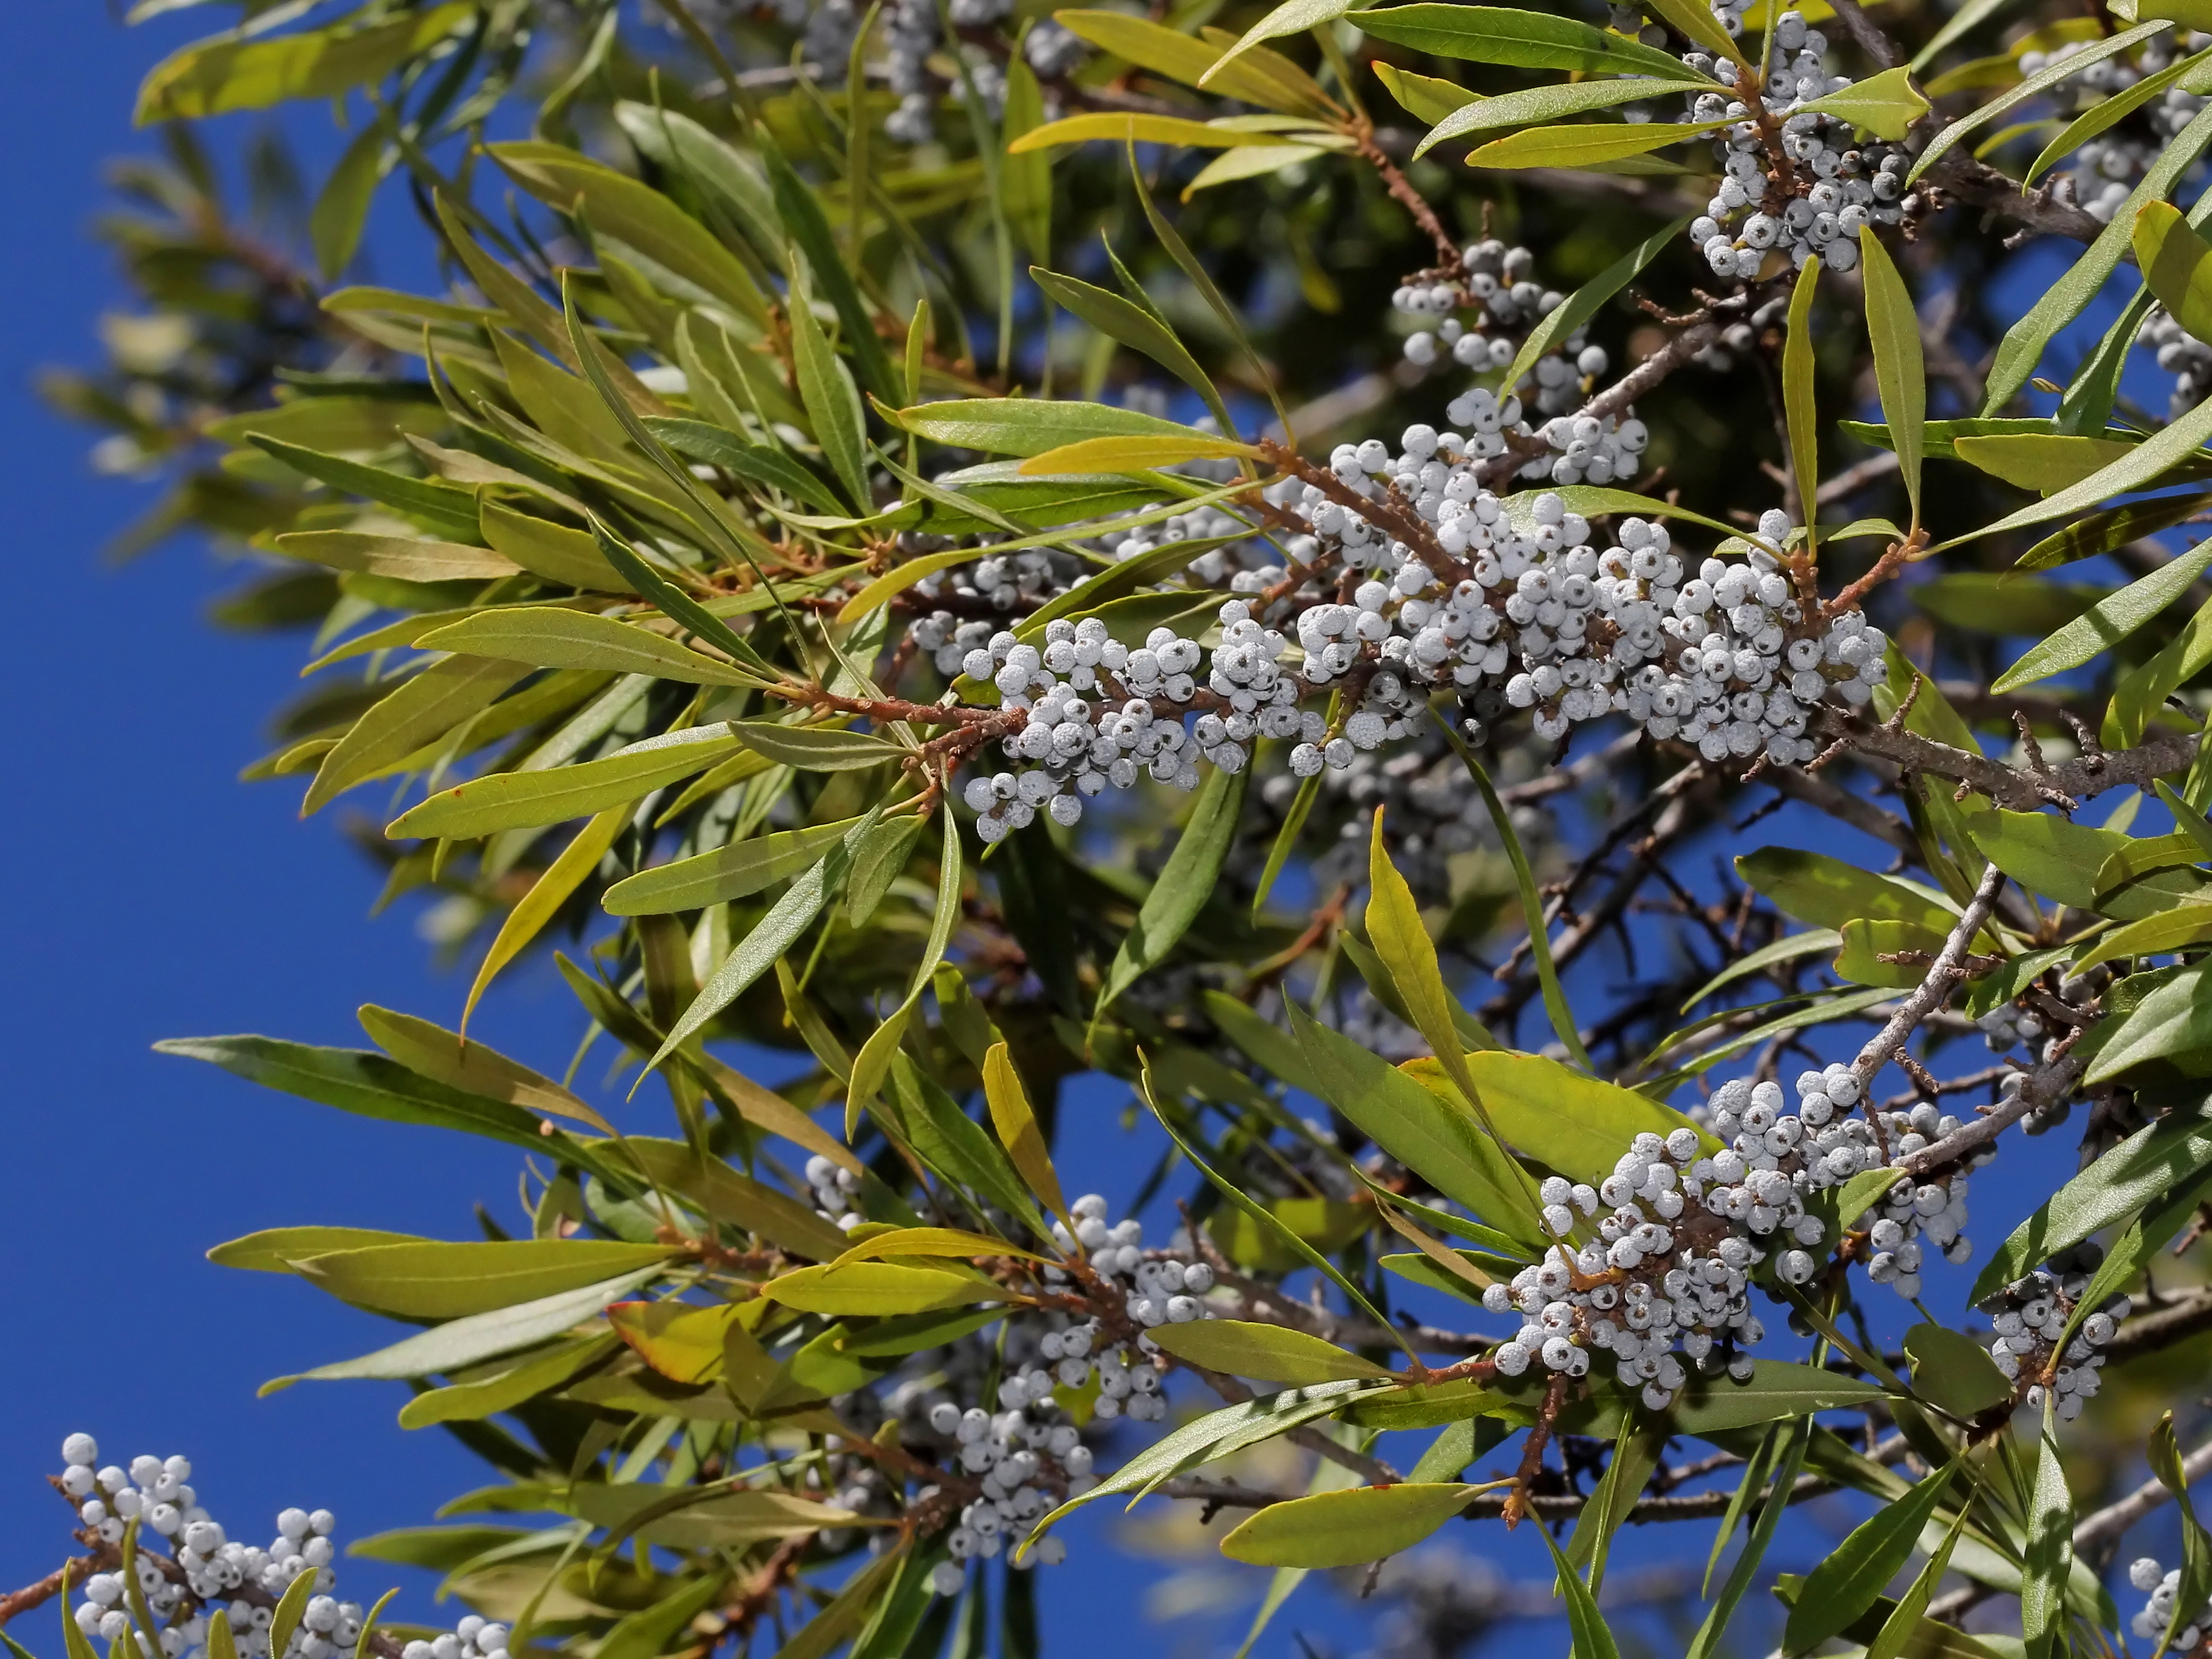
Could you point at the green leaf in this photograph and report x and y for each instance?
(1952, 1370)
(423, 708)
(816, 748)
(2045, 462)
(291, 1607)
(342, 207)
(1592, 1638)
(407, 558)
(727, 873)
(1186, 881)
(1217, 1434)
(2166, 1465)
(649, 1630)
(1789, 948)
(1531, 104)
(1133, 325)
(1886, 105)
(2142, 693)
(1571, 1122)
(634, 214)
(1583, 303)
(2049, 1551)
(1825, 892)
(723, 1194)
(833, 402)
(941, 1133)
(219, 76)
(2105, 112)
(771, 936)
(547, 636)
(1442, 1146)
(1426, 99)
(2063, 69)
(1784, 1476)
(369, 1085)
(802, 217)
(2003, 603)
(717, 446)
(2178, 929)
(1133, 455)
(879, 1289)
(1025, 180)
(1028, 426)
(1893, 326)
(555, 794)
(1120, 128)
(275, 1249)
(2086, 407)
(2108, 622)
(1017, 1124)
(1584, 144)
(1636, 1455)
(433, 1280)
(668, 598)
(2024, 343)
(1254, 78)
(1345, 1528)
(567, 558)
(444, 509)
(2177, 265)
(1273, 1352)
(553, 889)
(1864, 943)
(2158, 1159)
(1907, 1628)
(1291, 17)
(1532, 908)
(1523, 40)
(1801, 416)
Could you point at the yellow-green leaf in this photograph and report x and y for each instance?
(408, 558)
(432, 1051)
(554, 794)
(422, 708)
(1131, 453)
(439, 1280)
(2177, 264)
(221, 74)
(880, 1288)
(1426, 98)
(1343, 1528)
(546, 636)
(727, 873)
(1899, 370)
(1271, 1353)
(1571, 1122)
(1585, 145)
(546, 895)
(1136, 128)
(2045, 462)
(1886, 105)
(1797, 397)
(569, 558)
(1018, 1132)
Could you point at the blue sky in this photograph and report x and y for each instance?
(153, 895)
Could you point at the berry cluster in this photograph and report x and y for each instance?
(2156, 1617)
(1670, 1263)
(1494, 281)
(1830, 186)
(205, 1572)
(835, 1188)
(2181, 355)
(2104, 171)
(2031, 1318)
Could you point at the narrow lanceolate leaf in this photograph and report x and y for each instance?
(1029, 426)
(1798, 398)
(1536, 105)
(2111, 619)
(1018, 1132)
(815, 748)
(1847, 1581)
(1183, 886)
(2061, 69)
(224, 74)
(291, 1607)
(727, 873)
(406, 557)
(2048, 1557)
(2024, 343)
(1272, 1353)
(1583, 303)
(1899, 375)
(434, 1279)
(2165, 1459)
(2177, 264)
(1952, 1370)
(1695, 21)
(1438, 1142)
(1132, 324)
(545, 636)
(1593, 1639)
(1906, 1621)
(833, 402)
(1523, 40)
(1131, 454)
(554, 794)
(1343, 1528)
(546, 895)
(1584, 145)
(420, 710)
(1137, 129)
(460, 1342)
(434, 1052)
(771, 936)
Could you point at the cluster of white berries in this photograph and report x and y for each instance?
(474, 1638)
(1653, 1277)
(2104, 169)
(1842, 185)
(2156, 1617)
(2032, 1315)
(1678, 1233)
(834, 1187)
(1494, 281)
(206, 1571)
(1014, 1453)
(1157, 1289)
(2181, 355)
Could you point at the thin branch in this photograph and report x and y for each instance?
(2083, 777)
(1944, 975)
(2112, 1522)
